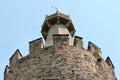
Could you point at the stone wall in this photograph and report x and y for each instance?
(61, 39)
(35, 45)
(61, 62)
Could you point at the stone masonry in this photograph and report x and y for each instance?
(62, 58)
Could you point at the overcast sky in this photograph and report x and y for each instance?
(97, 21)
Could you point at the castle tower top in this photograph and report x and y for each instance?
(60, 24)
(61, 58)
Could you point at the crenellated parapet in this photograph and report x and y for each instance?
(6, 70)
(93, 48)
(96, 51)
(13, 60)
(6, 73)
(15, 57)
(75, 53)
(78, 41)
(109, 62)
(36, 45)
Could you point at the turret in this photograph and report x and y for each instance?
(57, 23)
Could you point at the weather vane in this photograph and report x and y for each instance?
(56, 9)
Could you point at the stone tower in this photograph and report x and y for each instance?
(61, 58)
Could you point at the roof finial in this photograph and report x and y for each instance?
(55, 8)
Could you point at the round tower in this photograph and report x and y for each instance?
(61, 58)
